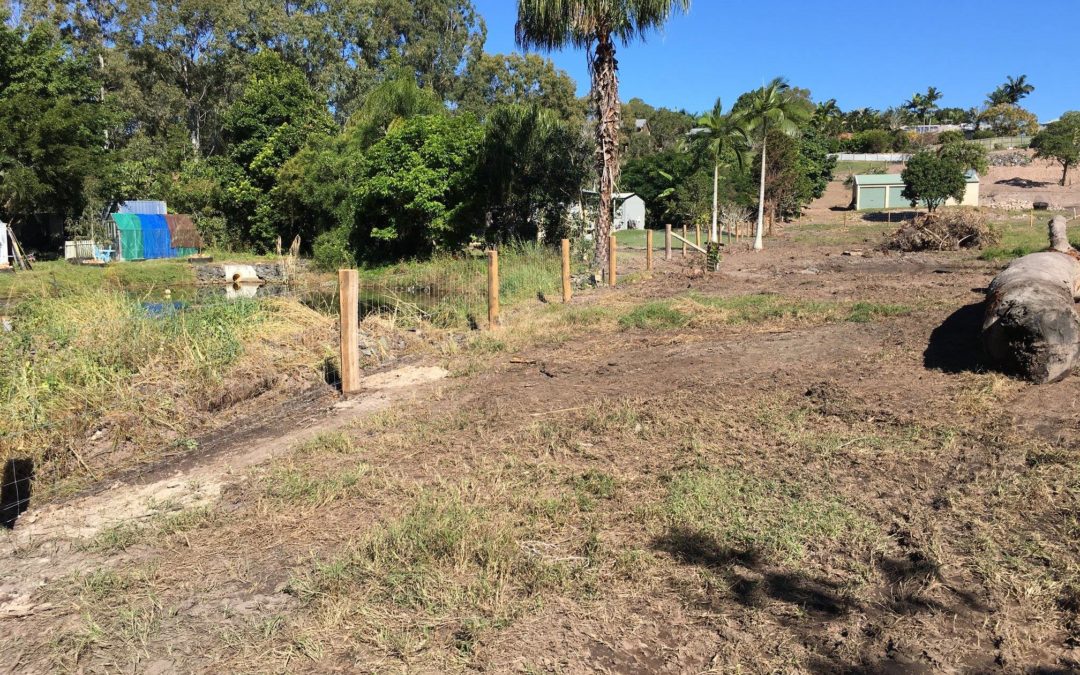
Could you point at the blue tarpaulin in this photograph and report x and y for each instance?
(155, 234)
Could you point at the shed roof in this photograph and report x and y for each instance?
(895, 178)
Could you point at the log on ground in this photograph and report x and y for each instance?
(1031, 327)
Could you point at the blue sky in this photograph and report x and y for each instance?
(862, 54)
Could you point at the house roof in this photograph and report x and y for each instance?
(895, 178)
(640, 123)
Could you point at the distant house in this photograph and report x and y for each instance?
(641, 126)
(876, 192)
(629, 209)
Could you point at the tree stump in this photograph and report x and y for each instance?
(1031, 327)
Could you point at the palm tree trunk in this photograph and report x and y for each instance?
(758, 231)
(714, 235)
(606, 97)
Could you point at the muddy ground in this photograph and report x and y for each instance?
(797, 465)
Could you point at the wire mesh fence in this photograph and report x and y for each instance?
(86, 369)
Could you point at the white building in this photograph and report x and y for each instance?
(629, 210)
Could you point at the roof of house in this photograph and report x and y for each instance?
(896, 179)
(640, 123)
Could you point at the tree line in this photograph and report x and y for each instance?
(281, 118)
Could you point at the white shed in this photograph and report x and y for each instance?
(629, 212)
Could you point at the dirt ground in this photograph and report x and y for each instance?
(799, 464)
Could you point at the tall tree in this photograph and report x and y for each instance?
(596, 25)
(922, 106)
(772, 107)
(1060, 141)
(532, 165)
(502, 79)
(727, 134)
(1011, 92)
(52, 125)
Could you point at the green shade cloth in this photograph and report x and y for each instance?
(131, 243)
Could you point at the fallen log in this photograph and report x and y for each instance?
(1031, 326)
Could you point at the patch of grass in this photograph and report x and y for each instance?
(295, 485)
(127, 534)
(330, 442)
(77, 362)
(443, 561)
(865, 312)
(658, 315)
(55, 278)
(450, 291)
(741, 514)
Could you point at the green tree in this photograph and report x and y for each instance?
(931, 180)
(971, 156)
(727, 135)
(596, 25)
(52, 126)
(773, 106)
(271, 121)
(492, 80)
(1006, 119)
(922, 106)
(416, 192)
(532, 165)
(1012, 92)
(1060, 141)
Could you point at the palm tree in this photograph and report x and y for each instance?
(921, 105)
(1017, 88)
(726, 132)
(595, 25)
(828, 118)
(771, 107)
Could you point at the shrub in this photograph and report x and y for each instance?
(331, 250)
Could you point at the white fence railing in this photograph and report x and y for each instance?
(871, 157)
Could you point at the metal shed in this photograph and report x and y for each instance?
(876, 192)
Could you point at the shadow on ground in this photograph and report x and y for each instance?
(1023, 183)
(955, 346)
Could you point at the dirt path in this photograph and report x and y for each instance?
(41, 546)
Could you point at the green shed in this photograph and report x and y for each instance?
(879, 191)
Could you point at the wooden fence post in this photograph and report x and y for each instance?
(684, 240)
(567, 292)
(349, 299)
(667, 242)
(612, 271)
(493, 288)
(697, 234)
(648, 250)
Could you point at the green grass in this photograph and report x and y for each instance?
(852, 167)
(636, 238)
(738, 514)
(451, 290)
(659, 315)
(58, 277)
(443, 558)
(698, 310)
(1019, 237)
(70, 360)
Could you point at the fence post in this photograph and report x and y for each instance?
(684, 240)
(697, 234)
(567, 291)
(493, 288)
(611, 261)
(648, 250)
(667, 242)
(349, 299)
